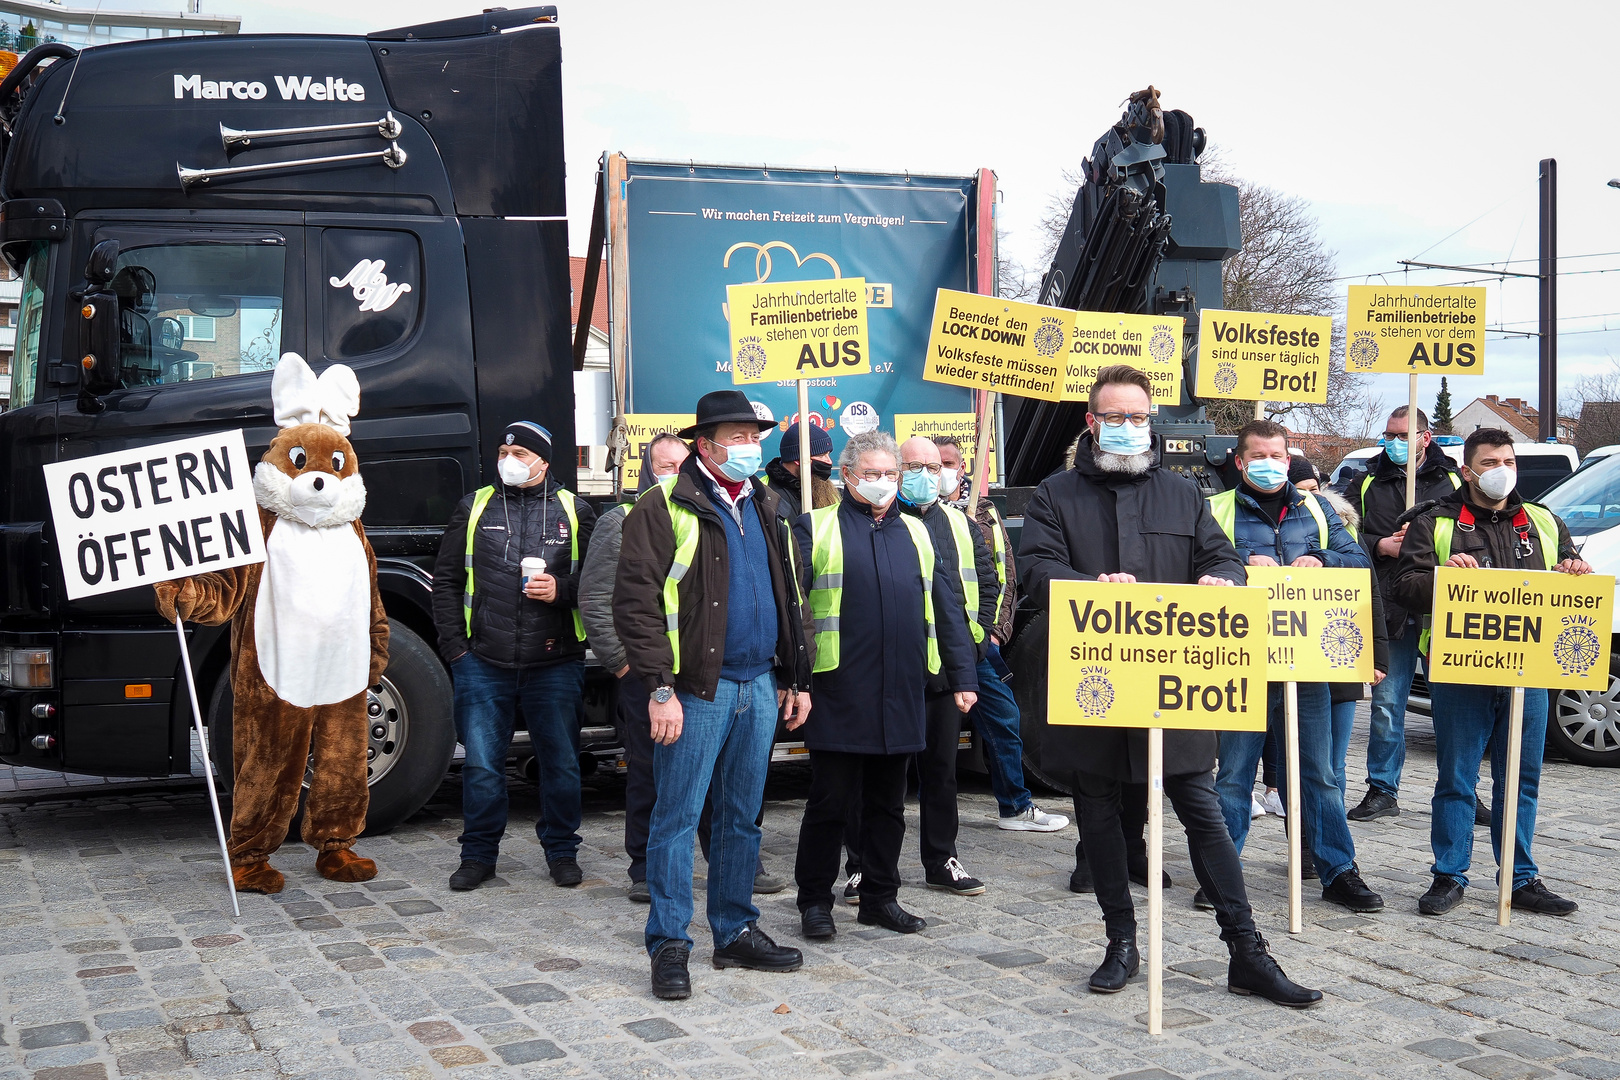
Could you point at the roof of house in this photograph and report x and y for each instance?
(576, 285)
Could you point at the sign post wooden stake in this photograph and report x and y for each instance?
(805, 471)
(1509, 794)
(1155, 873)
(1296, 906)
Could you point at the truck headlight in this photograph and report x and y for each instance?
(23, 668)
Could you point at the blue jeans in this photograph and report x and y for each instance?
(1386, 742)
(1323, 802)
(1466, 720)
(488, 701)
(1344, 721)
(996, 718)
(724, 750)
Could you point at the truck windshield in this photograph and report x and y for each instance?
(199, 311)
(1589, 501)
(30, 316)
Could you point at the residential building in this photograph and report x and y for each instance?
(593, 389)
(1514, 415)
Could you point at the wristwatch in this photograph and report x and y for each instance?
(663, 693)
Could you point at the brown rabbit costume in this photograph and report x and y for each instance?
(308, 636)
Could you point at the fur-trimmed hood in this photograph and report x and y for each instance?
(1343, 507)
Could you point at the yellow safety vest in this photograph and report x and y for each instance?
(480, 500)
(827, 582)
(962, 535)
(1224, 506)
(1456, 483)
(998, 538)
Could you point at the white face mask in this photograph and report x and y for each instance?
(877, 492)
(514, 472)
(1495, 483)
(950, 481)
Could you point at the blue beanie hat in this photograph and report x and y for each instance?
(788, 449)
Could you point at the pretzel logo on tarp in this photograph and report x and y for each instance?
(1095, 694)
(1341, 638)
(1362, 352)
(1577, 648)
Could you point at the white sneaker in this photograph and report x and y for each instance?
(1034, 819)
(1274, 804)
(1256, 807)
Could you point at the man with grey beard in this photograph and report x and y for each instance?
(1119, 516)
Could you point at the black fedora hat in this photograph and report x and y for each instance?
(724, 407)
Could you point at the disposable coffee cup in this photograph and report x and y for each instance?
(533, 568)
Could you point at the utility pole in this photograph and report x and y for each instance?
(1549, 299)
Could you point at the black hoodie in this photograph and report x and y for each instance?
(1381, 498)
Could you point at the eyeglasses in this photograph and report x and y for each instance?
(873, 475)
(1398, 436)
(919, 466)
(1117, 419)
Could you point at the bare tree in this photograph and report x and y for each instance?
(1284, 268)
(1594, 400)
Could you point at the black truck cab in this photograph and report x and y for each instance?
(183, 211)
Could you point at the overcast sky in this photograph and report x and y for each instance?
(1413, 129)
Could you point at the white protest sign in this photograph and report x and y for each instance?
(154, 513)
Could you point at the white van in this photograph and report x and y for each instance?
(1541, 465)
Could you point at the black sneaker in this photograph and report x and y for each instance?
(953, 877)
(755, 951)
(1137, 872)
(1482, 812)
(1375, 804)
(766, 884)
(640, 893)
(471, 874)
(1201, 900)
(852, 888)
(1538, 898)
(566, 872)
(670, 978)
(1348, 890)
(1445, 894)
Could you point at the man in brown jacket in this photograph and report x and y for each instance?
(707, 604)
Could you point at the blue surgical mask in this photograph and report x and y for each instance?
(742, 461)
(919, 488)
(1127, 439)
(1266, 474)
(1396, 450)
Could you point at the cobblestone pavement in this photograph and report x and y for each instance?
(119, 957)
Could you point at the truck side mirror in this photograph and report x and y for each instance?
(100, 354)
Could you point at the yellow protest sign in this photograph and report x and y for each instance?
(987, 343)
(785, 330)
(959, 425)
(1319, 626)
(1170, 656)
(1149, 343)
(1520, 628)
(1252, 355)
(1415, 330)
(644, 428)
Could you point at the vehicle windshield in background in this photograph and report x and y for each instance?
(1538, 472)
(1589, 501)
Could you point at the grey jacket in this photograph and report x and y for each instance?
(596, 588)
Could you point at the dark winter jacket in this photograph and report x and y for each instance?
(1380, 495)
(872, 703)
(599, 569)
(511, 630)
(1296, 534)
(1493, 541)
(984, 567)
(988, 521)
(786, 486)
(1084, 522)
(646, 553)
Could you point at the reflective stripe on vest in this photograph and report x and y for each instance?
(481, 499)
(684, 524)
(962, 536)
(998, 537)
(1223, 505)
(827, 583)
(1445, 530)
(1456, 483)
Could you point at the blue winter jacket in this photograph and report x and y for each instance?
(1298, 533)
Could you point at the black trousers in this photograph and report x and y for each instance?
(1214, 859)
(1132, 822)
(635, 730)
(936, 789)
(876, 783)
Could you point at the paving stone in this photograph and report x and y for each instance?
(343, 950)
(856, 1063)
(531, 993)
(1525, 1045)
(1147, 1074)
(388, 886)
(560, 963)
(1592, 1068)
(1500, 1067)
(154, 944)
(434, 1032)
(1176, 1018)
(134, 1018)
(414, 907)
(1579, 965)
(307, 907)
(1444, 1049)
(95, 1071)
(1013, 958)
(319, 922)
(452, 1056)
(521, 1053)
(150, 1061)
(656, 1029)
(345, 900)
(63, 1034)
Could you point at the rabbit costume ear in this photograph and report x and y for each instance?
(300, 398)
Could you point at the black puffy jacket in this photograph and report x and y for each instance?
(509, 629)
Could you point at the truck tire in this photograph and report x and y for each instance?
(412, 739)
(1584, 725)
(1026, 655)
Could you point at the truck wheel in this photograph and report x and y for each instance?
(1026, 655)
(1585, 724)
(412, 736)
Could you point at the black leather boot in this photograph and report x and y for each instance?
(1253, 971)
(1120, 963)
(670, 978)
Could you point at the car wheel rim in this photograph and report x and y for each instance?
(1591, 718)
(388, 723)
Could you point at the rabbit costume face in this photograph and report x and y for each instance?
(310, 473)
